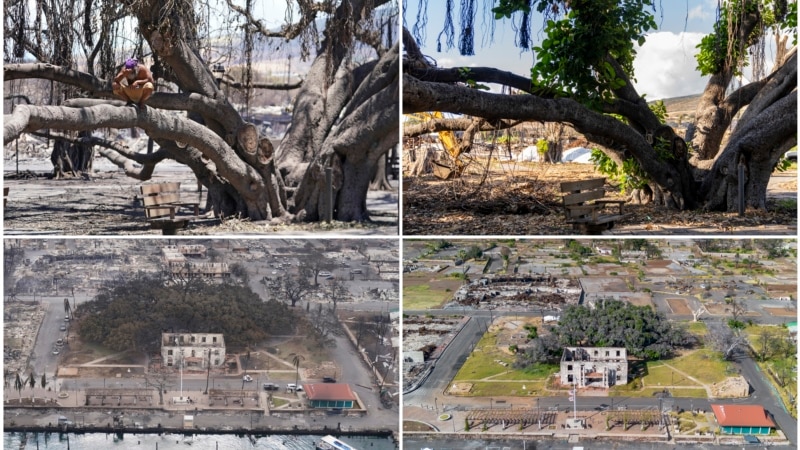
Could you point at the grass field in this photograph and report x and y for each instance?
(705, 365)
(422, 297)
(490, 378)
(481, 363)
(652, 392)
(508, 388)
(426, 290)
(660, 375)
(698, 328)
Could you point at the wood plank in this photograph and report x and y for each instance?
(603, 218)
(161, 199)
(149, 189)
(157, 212)
(572, 186)
(583, 197)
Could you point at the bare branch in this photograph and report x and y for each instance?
(437, 125)
(308, 13)
(229, 81)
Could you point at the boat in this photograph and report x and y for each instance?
(331, 443)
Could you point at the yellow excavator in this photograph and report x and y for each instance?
(450, 144)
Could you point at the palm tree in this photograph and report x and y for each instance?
(18, 385)
(32, 382)
(296, 358)
(67, 308)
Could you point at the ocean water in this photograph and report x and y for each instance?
(58, 441)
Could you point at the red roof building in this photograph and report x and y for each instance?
(743, 419)
(330, 395)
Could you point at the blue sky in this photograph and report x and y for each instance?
(665, 65)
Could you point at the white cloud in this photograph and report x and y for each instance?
(665, 66)
(699, 13)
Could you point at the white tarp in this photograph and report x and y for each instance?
(580, 155)
(530, 153)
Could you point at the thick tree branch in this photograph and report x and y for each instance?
(461, 124)
(228, 81)
(92, 85)
(420, 96)
(157, 125)
(308, 14)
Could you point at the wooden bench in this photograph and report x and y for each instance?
(162, 201)
(585, 207)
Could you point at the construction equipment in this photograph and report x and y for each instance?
(451, 146)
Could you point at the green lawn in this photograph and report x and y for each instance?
(660, 375)
(538, 372)
(626, 391)
(481, 363)
(705, 365)
(422, 297)
(698, 328)
(508, 388)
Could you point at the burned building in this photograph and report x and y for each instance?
(192, 350)
(594, 366)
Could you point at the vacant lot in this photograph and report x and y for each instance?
(427, 290)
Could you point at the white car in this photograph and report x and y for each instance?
(247, 378)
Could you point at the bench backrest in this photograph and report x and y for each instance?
(160, 194)
(578, 192)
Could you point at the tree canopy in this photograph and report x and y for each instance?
(645, 333)
(132, 314)
(344, 113)
(583, 76)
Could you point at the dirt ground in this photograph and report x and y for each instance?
(527, 201)
(109, 204)
(678, 306)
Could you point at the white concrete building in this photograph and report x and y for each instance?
(594, 366)
(192, 350)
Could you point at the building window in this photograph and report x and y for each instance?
(216, 362)
(192, 339)
(569, 366)
(617, 352)
(204, 339)
(214, 340)
(607, 353)
(169, 352)
(569, 378)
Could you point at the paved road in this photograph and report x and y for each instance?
(418, 443)
(763, 394)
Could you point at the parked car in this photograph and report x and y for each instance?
(63, 328)
(55, 351)
(247, 378)
(271, 387)
(328, 380)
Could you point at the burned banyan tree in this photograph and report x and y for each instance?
(582, 76)
(344, 113)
